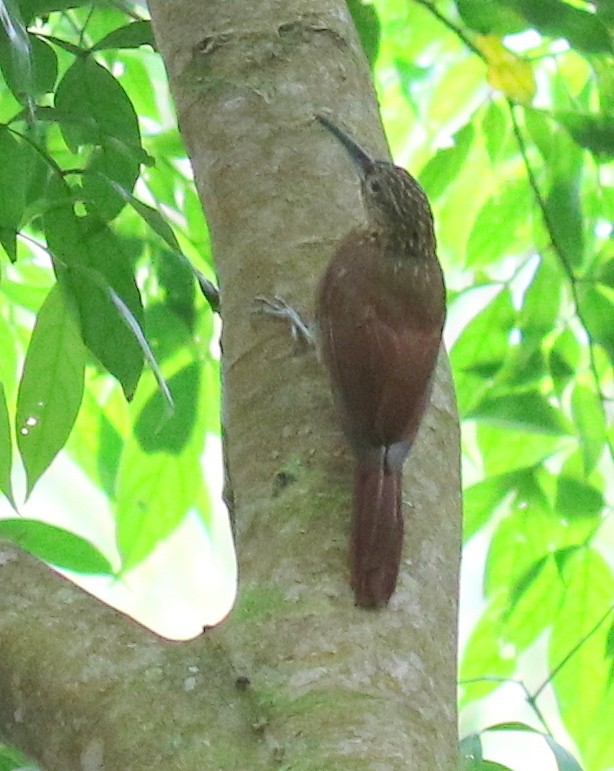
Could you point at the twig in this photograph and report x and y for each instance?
(451, 26)
(530, 698)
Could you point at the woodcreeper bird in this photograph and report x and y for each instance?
(380, 316)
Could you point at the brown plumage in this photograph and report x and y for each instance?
(380, 314)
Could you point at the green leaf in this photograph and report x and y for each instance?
(609, 652)
(533, 603)
(576, 654)
(451, 97)
(523, 583)
(485, 339)
(565, 219)
(6, 449)
(540, 304)
(109, 329)
(563, 205)
(28, 79)
(522, 537)
(23, 181)
(528, 411)
(445, 165)
(565, 761)
(597, 307)
(525, 366)
(8, 360)
(11, 759)
(594, 132)
(482, 348)
(55, 545)
(91, 265)
(505, 449)
(522, 565)
(160, 226)
(368, 26)
(564, 359)
(12, 191)
(487, 658)
(45, 63)
(167, 331)
(541, 132)
(494, 128)
(490, 17)
(472, 758)
(29, 296)
(498, 225)
(133, 35)
(471, 749)
(39, 8)
(583, 30)
(606, 11)
(154, 494)
(51, 386)
(154, 431)
(589, 419)
(139, 335)
(15, 53)
(411, 75)
(480, 502)
(109, 162)
(153, 218)
(156, 490)
(605, 273)
(63, 229)
(95, 107)
(576, 498)
(110, 444)
(177, 280)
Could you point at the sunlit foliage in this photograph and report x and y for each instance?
(505, 113)
(504, 110)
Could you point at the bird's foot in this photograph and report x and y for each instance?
(279, 308)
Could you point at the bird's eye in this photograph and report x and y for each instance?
(375, 186)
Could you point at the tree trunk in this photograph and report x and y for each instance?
(339, 686)
(297, 676)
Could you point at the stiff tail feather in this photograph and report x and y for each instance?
(377, 534)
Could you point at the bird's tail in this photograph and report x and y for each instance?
(377, 534)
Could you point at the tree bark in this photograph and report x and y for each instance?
(342, 687)
(297, 677)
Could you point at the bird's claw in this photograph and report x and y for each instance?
(280, 309)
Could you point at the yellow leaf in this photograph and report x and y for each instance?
(506, 71)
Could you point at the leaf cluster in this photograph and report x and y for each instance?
(96, 282)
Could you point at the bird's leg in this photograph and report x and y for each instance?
(277, 307)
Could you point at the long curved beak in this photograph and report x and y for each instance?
(355, 151)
